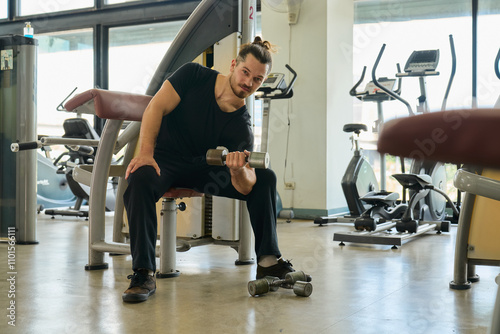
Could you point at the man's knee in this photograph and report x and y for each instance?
(266, 176)
(142, 176)
(140, 182)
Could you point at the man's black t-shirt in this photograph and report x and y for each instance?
(197, 123)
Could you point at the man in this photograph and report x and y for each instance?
(197, 109)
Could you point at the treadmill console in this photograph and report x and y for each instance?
(273, 82)
(422, 61)
(372, 89)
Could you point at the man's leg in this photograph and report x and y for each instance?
(144, 189)
(261, 204)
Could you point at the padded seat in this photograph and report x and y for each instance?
(456, 136)
(181, 193)
(110, 104)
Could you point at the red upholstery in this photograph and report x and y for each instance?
(112, 105)
(181, 193)
(468, 136)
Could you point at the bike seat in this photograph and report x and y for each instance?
(355, 127)
(413, 181)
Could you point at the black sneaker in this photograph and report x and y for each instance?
(278, 270)
(141, 287)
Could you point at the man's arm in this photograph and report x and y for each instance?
(243, 176)
(164, 101)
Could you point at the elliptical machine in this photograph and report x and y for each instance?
(426, 208)
(424, 175)
(367, 204)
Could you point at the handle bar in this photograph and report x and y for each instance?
(31, 145)
(353, 91)
(453, 70)
(288, 93)
(497, 63)
(388, 91)
(292, 82)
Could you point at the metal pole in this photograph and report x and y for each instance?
(248, 16)
(27, 123)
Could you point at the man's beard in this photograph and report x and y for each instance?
(234, 87)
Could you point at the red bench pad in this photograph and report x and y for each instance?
(111, 104)
(181, 193)
(468, 136)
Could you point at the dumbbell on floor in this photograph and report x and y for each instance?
(217, 157)
(295, 280)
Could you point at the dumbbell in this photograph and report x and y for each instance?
(296, 280)
(217, 157)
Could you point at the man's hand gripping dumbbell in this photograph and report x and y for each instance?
(217, 157)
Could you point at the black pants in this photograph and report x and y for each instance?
(145, 188)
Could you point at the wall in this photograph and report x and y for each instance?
(318, 151)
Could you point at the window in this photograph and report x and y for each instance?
(488, 85)
(3, 9)
(65, 61)
(406, 26)
(30, 7)
(112, 2)
(403, 33)
(136, 51)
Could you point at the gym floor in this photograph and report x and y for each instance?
(357, 288)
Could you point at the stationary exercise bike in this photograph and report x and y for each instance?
(274, 88)
(378, 206)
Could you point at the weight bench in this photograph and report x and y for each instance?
(460, 137)
(117, 107)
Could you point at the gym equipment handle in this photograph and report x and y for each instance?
(31, 145)
(452, 74)
(497, 63)
(288, 93)
(88, 150)
(375, 81)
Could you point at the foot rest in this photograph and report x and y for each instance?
(413, 181)
(381, 197)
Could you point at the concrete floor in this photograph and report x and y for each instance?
(357, 288)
